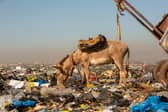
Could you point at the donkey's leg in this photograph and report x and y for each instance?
(86, 72)
(123, 73)
(81, 72)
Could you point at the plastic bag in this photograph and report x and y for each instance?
(152, 104)
(26, 103)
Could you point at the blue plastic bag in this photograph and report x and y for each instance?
(152, 104)
(26, 103)
(40, 81)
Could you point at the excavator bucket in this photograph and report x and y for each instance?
(160, 28)
(164, 41)
(163, 25)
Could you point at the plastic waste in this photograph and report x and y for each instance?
(92, 77)
(26, 103)
(32, 78)
(109, 108)
(55, 91)
(84, 106)
(102, 95)
(16, 83)
(32, 84)
(19, 95)
(18, 68)
(45, 85)
(40, 81)
(152, 104)
(4, 100)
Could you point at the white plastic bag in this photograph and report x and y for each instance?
(16, 83)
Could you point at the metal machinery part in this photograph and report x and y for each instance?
(160, 31)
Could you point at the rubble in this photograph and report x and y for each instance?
(32, 88)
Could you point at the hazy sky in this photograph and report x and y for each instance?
(44, 31)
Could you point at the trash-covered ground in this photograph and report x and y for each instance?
(31, 88)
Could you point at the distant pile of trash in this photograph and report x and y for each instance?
(31, 88)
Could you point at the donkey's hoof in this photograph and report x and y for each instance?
(122, 85)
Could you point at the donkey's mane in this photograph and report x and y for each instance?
(62, 61)
(67, 56)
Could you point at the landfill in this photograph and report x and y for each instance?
(32, 88)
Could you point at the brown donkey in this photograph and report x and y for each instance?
(114, 52)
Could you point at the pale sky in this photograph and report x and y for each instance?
(44, 31)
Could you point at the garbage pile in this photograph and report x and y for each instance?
(31, 88)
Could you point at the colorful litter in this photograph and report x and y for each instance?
(36, 91)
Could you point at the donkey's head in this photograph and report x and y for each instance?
(60, 75)
(64, 69)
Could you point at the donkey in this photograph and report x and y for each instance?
(114, 52)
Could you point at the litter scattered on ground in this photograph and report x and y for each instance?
(32, 88)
